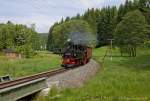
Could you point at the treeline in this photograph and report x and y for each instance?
(61, 32)
(18, 37)
(41, 44)
(128, 25)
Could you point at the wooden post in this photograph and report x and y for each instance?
(111, 43)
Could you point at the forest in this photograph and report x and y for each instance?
(21, 38)
(128, 25)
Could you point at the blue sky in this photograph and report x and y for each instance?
(44, 13)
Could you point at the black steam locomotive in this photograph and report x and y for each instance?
(76, 55)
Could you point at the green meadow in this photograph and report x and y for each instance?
(41, 62)
(122, 79)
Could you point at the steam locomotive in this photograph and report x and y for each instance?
(76, 55)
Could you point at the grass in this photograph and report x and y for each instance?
(122, 79)
(43, 61)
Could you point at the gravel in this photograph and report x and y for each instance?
(74, 77)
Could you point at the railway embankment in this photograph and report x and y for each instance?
(74, 77)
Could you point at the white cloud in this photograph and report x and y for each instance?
(91, 3)
(45, 12)
(43, 22)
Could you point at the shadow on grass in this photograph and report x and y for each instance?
(119, 56)
(139, 63)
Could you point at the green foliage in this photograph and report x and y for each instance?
(91, 16)
(25, 50)
(144, 6)
(41, 41)
(131, 31)
(147, 44)
(129, 6)
(50, 39)
(6, 36)
(53, 95)
(125, 8)
(61, 32)
(18, 37)
(103, 21)
(41, 62)
(118, 80)
(53, 92)
(106, 25)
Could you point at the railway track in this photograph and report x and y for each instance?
(30, 78)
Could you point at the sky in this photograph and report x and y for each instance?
(44, 13)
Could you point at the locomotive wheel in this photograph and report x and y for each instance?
(81, 62)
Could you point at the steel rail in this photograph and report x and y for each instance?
(30, 78)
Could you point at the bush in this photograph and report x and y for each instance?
(147, 44)
(26, 50)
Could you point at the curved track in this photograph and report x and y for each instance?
(30, 78)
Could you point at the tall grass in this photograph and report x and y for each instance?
(43, 61)
(122, 79)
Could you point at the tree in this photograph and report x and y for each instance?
(106, 25)
(33, 26)
(125, 8)
(67, 18)
(103, 21)
(131, 32)
(144, 7)
(7, 35)
(25, 40)
(92, 16)
(60, 33)
(50, 45)
(78, 16)
(18, 37)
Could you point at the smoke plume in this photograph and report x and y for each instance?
(83, 38)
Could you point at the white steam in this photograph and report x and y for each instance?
(86, 39)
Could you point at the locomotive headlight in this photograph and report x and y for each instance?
(75, 54)
(69, 40)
